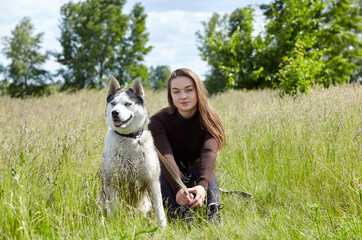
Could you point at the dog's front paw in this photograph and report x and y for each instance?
(163, 223)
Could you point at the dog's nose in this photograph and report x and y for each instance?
(115, 113)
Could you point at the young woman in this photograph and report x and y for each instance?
(189, 133)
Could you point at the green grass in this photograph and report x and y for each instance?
(301, 159)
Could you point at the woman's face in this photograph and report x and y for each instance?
(184, 96)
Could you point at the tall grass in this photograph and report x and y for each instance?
(301, 158)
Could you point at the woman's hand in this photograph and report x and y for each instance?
(182, 199)
(199, 192)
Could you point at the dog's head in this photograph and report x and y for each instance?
(126, 112)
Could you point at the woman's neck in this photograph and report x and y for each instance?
(187, 114)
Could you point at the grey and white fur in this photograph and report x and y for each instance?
(130, 168)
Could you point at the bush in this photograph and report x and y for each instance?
(301, 71)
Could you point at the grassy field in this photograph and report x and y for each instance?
(301, 159)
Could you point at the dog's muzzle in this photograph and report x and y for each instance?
(117, 121)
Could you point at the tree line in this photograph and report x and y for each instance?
(97, 40)
(304, 43)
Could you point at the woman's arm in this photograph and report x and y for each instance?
(207, 167)
(207, 160)
(163, 145)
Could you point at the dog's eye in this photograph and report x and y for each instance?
(128, 104)
(113, 104)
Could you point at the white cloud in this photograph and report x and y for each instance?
(172, 33)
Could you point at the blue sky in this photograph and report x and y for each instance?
(172, 25)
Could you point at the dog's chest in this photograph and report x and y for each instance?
(130, 165)
(126, 160)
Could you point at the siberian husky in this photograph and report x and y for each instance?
(130, 169)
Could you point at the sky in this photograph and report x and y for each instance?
(171, 25)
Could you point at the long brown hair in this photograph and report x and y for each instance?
(208, 117)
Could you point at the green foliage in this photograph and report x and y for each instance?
(329, 30)
(302, 71)
(214, 32)
(316, 24)
(288, 22)
(240, 64)
(4, 84)
(98, 40)
(340, 32)
(24, 74)
(129, 61)
(159, 77)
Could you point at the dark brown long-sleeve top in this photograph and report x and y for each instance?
(181, 141)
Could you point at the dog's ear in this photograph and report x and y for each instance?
(137, 87)
(113, 86)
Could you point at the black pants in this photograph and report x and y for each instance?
(169, 198)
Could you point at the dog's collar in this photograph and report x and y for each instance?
(135, 135)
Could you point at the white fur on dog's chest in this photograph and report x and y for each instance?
(128, 158)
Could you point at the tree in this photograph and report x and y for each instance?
(98, 40)
(306, 42)
(215, 31)
(131, 55)
(241, 67)
(328, 30)
(159, 77)
(341, 28)
(302, 70)
(24, 73)
(231, 51)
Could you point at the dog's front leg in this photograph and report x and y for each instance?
(154, 190)
(108, 198)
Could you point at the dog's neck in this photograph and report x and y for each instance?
(135, 135)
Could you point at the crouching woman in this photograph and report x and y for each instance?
(189, 133)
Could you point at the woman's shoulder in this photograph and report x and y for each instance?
(162, 115)
(164, 112)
